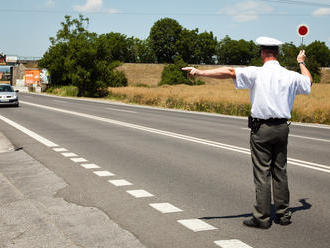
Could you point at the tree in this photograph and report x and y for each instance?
(206, 48)
(164, 35)
(319, 52)
(233, 52)
(187, 44)
(288, 56)
(83, 59)
(142, 51)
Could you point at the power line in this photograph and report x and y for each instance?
(294, 2)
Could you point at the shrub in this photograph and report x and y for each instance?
(172, 74)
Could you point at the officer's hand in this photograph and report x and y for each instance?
(191, 70)
(301, 56)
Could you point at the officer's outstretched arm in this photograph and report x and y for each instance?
(220, 73)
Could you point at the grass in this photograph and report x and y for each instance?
(63, 90)
(150, 74)
(223, 98)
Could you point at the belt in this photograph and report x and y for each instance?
(271, 120)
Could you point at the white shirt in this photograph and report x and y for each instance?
(272, 89)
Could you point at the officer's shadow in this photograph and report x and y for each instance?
(304, 206)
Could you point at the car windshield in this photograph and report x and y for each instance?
(6, 88)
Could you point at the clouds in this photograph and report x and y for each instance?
(94, 6)
(246, 11)
(321, 12)
(89, 6)
(50, 3)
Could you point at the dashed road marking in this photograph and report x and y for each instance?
(120, 182)
(90, 166)
(232, 243)
(196, 225)
(139, 193)
(104, 173)
(69, 154)
(165, 208)
(79, 160)
(60, 149)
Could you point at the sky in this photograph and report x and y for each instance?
(27, 25)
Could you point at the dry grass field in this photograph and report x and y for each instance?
(217, 96)
(150, 74)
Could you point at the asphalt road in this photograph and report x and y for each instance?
(199, 163)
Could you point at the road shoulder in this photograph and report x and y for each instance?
(32, 216)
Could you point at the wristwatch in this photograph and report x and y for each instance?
(302, 63)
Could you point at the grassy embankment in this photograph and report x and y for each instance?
(217, 96)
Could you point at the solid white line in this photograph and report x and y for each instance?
(165, 208)
(28, 132)
(90, 166)
(233, 243)
(120, 182)
(196, 225)
(60, 149)
(121, 110)
(103, 173)
(310, 138)
(139, 193)
(166, 133)
(78, 160)
(69, 154)
(291, 160)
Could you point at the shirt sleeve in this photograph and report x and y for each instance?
(303, 84)
(245, 77)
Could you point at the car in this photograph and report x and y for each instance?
(8, 96)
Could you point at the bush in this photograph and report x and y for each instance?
(172, 74)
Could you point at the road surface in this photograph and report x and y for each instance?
(172, 178)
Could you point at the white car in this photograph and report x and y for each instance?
(8, 96)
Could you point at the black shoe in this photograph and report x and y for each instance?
(255, 223)
(283, 221)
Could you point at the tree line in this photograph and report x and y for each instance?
(87, 60)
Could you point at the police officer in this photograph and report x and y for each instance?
(272, 92)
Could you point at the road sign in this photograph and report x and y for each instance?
(303, 30)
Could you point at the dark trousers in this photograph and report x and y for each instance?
(269, 157)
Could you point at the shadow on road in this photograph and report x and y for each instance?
(304, 206)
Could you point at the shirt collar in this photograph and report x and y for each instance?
(271, 63)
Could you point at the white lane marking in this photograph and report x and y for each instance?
(69, 154)
(90, 166)
(60, 149)
(165, 133)
(120, 182)
(298, 136)
(232, 243)
(28, 132)
(323, 126)
(103, 173)
(122, 110)
(79, 160)
(139, 193)
(196, 225)
(310, 138)
(165, 208)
